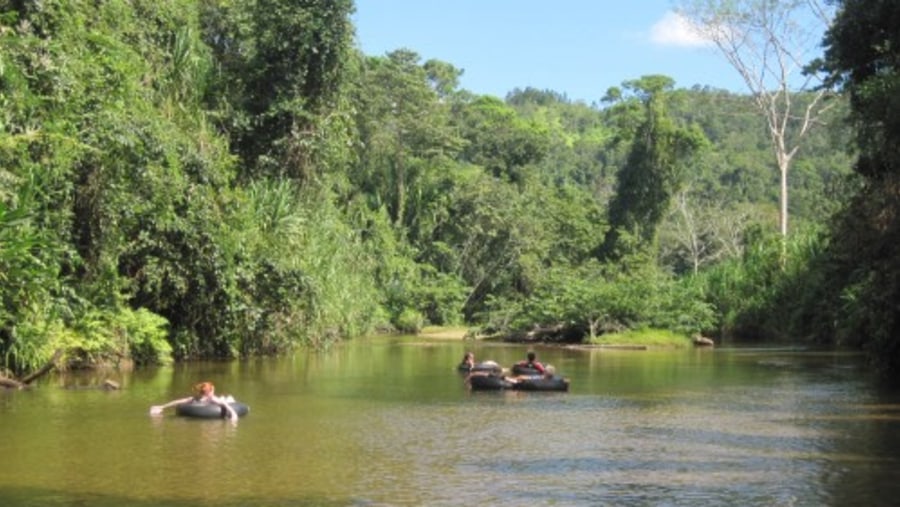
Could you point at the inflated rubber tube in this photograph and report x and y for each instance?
(523, 369)
(489, 383)
(542, 384)
(486, 366)
(210, 410)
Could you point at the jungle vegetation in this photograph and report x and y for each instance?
(183, 179)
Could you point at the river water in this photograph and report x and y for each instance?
(389, 422)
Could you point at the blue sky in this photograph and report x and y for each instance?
(576, 47)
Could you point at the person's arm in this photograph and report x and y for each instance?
(231, 413)
(539, 367)
(158, 409)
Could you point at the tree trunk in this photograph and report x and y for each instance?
(43, 369)
(783, 199)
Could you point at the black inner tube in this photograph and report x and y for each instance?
(210, 410)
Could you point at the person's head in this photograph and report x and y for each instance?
(469, 356)
(205, 388)
(531, 356)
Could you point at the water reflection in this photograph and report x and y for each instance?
(389, 422)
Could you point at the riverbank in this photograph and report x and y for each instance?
(641, 340)
(633, 339)
(444, 333)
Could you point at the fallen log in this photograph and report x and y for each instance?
(22, 383)
(702, 341)
(11, 383)
(43, 370)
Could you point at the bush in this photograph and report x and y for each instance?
(410, 321)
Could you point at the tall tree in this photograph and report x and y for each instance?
(404, 130)
(769, 43)
(653, 172)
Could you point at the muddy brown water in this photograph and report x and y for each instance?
(388, 421)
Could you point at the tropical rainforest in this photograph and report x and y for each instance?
(189, 179)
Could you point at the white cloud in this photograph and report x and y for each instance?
(674, 30)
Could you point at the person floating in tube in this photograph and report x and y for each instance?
(205, 392)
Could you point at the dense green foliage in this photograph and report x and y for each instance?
(122, 137)
(199, 178)
(856, 279)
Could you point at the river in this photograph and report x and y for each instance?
(389, 422)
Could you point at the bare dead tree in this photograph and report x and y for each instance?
(703, 234)
(769, 43)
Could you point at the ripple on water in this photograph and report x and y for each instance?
(570, 449)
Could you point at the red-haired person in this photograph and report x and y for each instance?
(205, 393)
